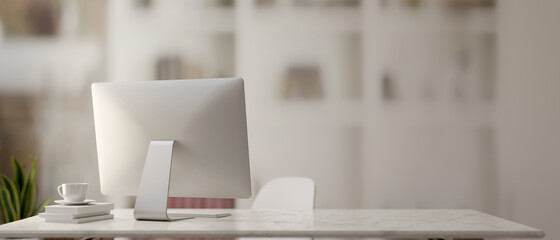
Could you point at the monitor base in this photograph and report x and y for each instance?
(178, 216)
(198, 215)
(153, 191)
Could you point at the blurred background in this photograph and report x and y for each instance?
(385, 104)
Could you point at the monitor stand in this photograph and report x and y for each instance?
(153, 191)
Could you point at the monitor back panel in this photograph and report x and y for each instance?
(206, 118)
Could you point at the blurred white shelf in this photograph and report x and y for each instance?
(481, 21)
(209, 21)
(29, 61)
(310, 21)
(40, 46)
(451, 114)
(315, 113)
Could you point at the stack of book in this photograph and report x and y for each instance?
(77, 213)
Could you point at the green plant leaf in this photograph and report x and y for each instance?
(19, 174)
(33, 200)
(3, 206)
(34, 188)
(40, 207)
(12, 189)
(18, 197)
(30, 193)
(24, 198)
(7, 207)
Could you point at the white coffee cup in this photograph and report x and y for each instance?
(73, 192)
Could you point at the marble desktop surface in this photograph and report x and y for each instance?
(357, 223)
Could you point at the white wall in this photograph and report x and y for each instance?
(529, 113)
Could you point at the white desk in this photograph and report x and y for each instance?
(449, 224)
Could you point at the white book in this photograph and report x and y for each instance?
(80, 220)
(71, 216)
(79, 209)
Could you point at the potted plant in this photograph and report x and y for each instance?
(18, 196)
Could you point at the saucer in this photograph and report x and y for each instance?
(87, 201)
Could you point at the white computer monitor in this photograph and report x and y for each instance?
(180, 138)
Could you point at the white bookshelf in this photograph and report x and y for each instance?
(354, 134)
(302, 134)
(437, 132)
